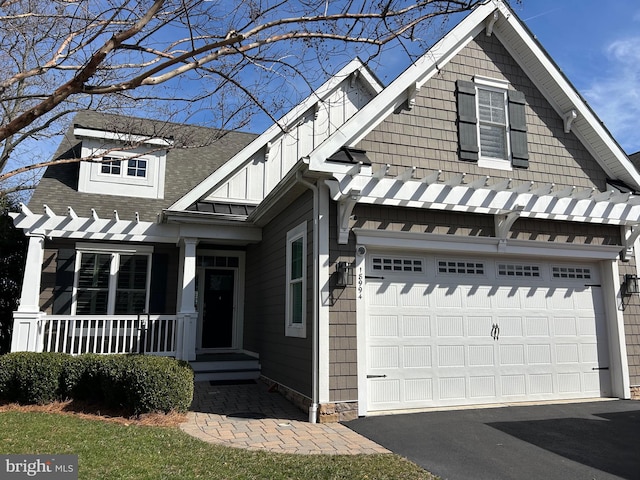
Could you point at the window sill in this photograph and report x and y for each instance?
(495, 163)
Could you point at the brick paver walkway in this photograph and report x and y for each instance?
(248, 416)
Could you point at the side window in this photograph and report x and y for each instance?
(492, 128)
(296, 282)
(108, 283)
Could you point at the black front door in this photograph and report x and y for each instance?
(217, 316)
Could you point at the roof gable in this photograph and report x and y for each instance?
(499, 20)
(250, 175)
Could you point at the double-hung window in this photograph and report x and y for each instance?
(492, 123)
(296, 281)
(112, 282)
(492, 128)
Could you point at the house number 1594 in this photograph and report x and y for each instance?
(360, 283)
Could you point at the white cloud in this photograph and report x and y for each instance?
(615, 94)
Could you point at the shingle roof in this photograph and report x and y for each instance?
(187, 165)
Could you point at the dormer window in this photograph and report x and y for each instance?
(110, 167)
(137, 168)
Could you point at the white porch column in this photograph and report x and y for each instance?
(187, 297)
(26, 331)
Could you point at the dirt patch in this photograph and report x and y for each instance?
(94, 412)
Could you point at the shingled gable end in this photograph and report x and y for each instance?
(466, 235)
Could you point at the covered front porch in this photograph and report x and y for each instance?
(190, 277)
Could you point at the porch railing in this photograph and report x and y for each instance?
(148, 334)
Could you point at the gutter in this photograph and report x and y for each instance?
(315, 388)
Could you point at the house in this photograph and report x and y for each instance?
(463, 236)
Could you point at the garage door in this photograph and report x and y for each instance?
(450, 331)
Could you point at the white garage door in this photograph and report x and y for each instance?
(448, 331)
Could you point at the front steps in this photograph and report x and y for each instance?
(225, 366)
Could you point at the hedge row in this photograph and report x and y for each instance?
(137, 383)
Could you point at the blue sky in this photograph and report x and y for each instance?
(597, 45)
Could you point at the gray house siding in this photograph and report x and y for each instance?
(58, 275)
(343, 364)
(427, 136)
(632, 328)
(285, 360)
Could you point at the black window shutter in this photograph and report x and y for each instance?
(467, 130)
(518, 129)
(159, 274)
(65, 272)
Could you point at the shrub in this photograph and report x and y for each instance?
(29, 377)
(137, 383)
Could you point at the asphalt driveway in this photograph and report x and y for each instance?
(582, 441)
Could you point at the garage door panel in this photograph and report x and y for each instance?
(452, 388)
(511, 354)
(539, 354)
(450, 326)
(384, 326)
(569, 383)
(437, 345)
(418, 389)
(481, 355)
(478, 298)
(416, 326)
(414, 296)
(447, 297)
(533, 298)
(479, 326)
(482, 386)
(417, 356)
(510, 326)
(537, 326)
(513, 385)
(567, 353)
(565, 326)
(383, 295)
(384, 357)
(450, 356)
(541, 384)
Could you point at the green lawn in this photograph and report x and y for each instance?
(112, 451)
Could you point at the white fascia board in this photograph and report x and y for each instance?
(585, 113)
(82, 132)
(239, 159)
(404, 241)
(222, 233)
(358, 126)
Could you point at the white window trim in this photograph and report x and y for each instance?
(500, 86)
(291, 329)
(115, 251)
(92, 180)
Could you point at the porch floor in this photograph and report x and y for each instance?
(248, 416)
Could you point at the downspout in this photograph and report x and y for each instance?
(313, 408)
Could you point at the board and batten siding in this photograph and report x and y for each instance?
(285, 360)
(267, 167)
(426, 136)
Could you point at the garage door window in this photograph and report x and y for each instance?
(389, 264)
(571, 272)
(514, 270)
(460, 268)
